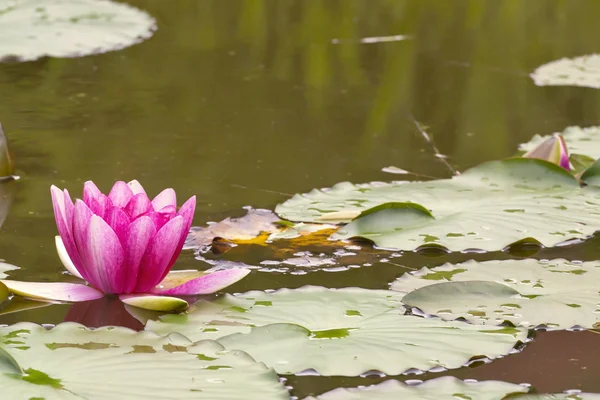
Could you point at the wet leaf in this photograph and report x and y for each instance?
(336, 331)
(487, 207)
(248, 227)
(439, 388)
(579, 71)
(69, 28)
(72, 362)
(557, 293)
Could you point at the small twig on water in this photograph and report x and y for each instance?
(402, 266)
(398, 171)
(373, 39)
(434, 148)
(260, 190)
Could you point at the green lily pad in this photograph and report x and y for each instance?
(313, 307)
(579, 71)
(446, 387)
(69, 28)
(557, 293)
(580, 141)
(73, 362)
(487, 207)
(591, 176)
(337, 332)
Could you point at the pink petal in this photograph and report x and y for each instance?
(169, 211)
(63, 214)
(120, 194)
(56, 291)
(81, 224)
(209, 283)
(161, 249)
(136, 187)
(58, 203)
(564, 153)
(64, 257)
(137, 237)
(69, 207)
(118, 220)
(138, 205)
(105, 256)
(90, 191)
(165, 198)
(158, 219)
(187, 212)
(99, 205)
(154, 303)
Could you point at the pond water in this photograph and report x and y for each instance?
(248, 102)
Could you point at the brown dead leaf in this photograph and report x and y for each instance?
(255, 222)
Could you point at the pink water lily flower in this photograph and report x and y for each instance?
(125, 244)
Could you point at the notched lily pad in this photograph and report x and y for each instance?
(579, 71)
(557, 294)
(337, 332)
(488, 207)
(69, 28)
(439, 388)
(72, 362)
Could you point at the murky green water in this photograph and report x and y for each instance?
(247, 102)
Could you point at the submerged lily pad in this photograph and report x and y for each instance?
(72, 362)
(446, 387)
(579, 71)
(580, 141)
(557, 293)
(487, 207)
(337, 332)
(69, 28)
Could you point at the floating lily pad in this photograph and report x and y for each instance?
(337, 331)
(238, 313)
(558, 293)
(580, 141)
(69, 28)
(72, 362)
(487, 207)
(579, 71)
(446, 387)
